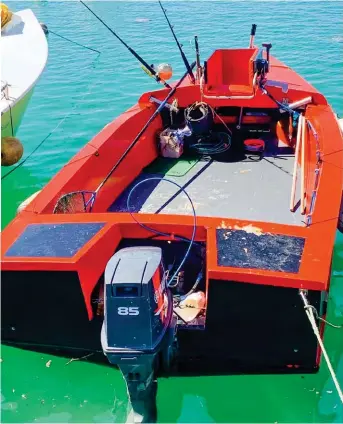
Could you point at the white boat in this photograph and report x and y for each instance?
(24, 53)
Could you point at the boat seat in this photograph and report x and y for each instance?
(230, 73)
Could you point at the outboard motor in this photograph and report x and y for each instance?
(139, 328)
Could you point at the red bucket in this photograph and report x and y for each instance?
(254, 145)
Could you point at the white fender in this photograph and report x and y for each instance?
(27, 201)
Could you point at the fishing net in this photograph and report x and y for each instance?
(75, 202)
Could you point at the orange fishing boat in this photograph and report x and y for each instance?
(194, 233)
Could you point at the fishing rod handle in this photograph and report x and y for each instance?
(253, 29)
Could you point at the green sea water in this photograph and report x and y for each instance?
(80, 92)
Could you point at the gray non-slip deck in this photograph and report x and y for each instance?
(247, 190)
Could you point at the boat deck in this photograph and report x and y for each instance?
(248, 189)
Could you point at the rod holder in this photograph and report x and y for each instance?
(167, 105)
(267, 46)
(298, 103)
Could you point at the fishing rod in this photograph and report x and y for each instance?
(184, 58)
(151, 70)
(142, 131)
(252, 35)
(63, 201)
(197, 56)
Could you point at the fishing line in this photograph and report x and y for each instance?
(135, 54)
(184, 58)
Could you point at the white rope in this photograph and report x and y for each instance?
(202, 82)
(310, 315)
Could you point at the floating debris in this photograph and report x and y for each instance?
(48, 364)
(24, 396)
(142, 20)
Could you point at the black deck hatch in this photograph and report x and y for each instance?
(53, 240)
(274, 252)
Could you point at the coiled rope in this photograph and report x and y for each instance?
(207, 146)
(310, 315)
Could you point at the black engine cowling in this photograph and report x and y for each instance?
(138, 328)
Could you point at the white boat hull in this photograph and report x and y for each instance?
(11, 119)
(24, 53)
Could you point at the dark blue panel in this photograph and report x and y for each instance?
(53, 240)
(274, 252)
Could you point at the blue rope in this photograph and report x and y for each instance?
(160, 232)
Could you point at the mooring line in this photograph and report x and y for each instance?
(310, 315)
(74, 42)
(88, 91)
